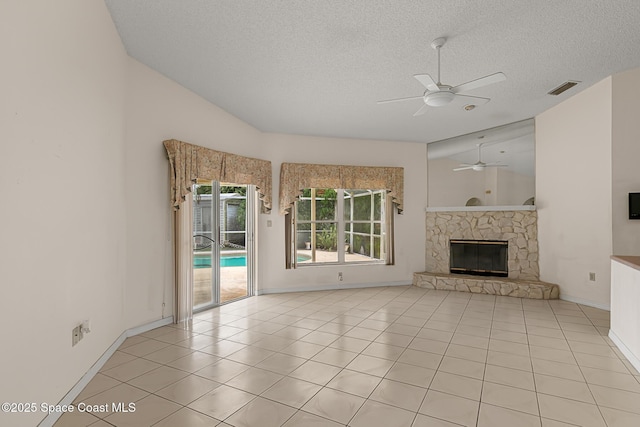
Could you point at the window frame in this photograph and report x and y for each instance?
(341, 224)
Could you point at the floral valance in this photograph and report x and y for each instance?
(191, 162)
(294, 177)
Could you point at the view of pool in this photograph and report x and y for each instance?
(239, 260)
(204, 260)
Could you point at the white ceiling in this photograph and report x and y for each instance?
(318, 67)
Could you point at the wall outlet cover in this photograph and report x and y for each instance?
(76, 335)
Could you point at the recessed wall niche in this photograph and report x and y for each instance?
(510, 182)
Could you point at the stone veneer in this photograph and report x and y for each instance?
(518, 228)
(487, 285)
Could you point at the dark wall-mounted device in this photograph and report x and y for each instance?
(634, 205)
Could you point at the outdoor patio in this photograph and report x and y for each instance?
(332, 256)
(233, 280)
(233, 284)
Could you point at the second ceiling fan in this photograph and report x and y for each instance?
(479, 165)
(438, 94)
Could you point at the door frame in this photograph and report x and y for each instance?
(250, 245)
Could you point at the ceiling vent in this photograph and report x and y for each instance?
(563, 87)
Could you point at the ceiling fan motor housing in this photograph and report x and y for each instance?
(438, 99)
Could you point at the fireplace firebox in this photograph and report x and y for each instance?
(479, 257)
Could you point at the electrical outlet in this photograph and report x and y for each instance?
(76, 335)
(340, 276)
(85, 328)
(592, 277)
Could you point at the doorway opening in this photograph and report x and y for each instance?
(223, 243)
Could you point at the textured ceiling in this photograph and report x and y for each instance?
(318, 67)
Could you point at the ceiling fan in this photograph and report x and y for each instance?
(438, 94)
(479, 165)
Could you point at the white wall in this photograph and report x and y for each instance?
(409, 227)
(62, 181)
(625, 158)
(158, 109)
(573, 194)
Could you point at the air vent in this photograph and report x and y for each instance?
(563, 87)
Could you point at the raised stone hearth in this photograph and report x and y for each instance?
(487, 285)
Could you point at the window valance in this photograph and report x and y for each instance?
(190, 162)
(294, 177)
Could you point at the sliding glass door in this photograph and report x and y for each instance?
(223, 243)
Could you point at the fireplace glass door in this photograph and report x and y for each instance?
(479, 257)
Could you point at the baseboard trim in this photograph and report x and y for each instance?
(331, 287)
(149, 326)
(583, 301)
(632, 358)
(68, 399)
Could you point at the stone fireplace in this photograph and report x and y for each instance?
(517, 228)
(514, 231)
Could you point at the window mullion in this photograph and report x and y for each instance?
(340, 225)
(313, 225)
(371, 228)
(351, 215)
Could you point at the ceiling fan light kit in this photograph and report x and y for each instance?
(439, 99)
(440, 95)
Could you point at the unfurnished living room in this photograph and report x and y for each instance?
(320, 213)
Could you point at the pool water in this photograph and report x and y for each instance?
(233, 261)
(200, 261)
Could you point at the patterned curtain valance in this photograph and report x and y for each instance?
(294, 177)
(190, 162)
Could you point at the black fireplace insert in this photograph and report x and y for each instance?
(479, 257)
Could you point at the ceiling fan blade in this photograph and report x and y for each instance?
(421, 111)
(464, 168)
(477, 100)
(478, 83)
(427, 81)
(400, 99)
(495, 165)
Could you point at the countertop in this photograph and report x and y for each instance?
(628, 260)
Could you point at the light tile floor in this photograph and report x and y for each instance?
(396, 356)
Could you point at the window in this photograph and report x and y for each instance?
(300, 179)
(340, 226)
